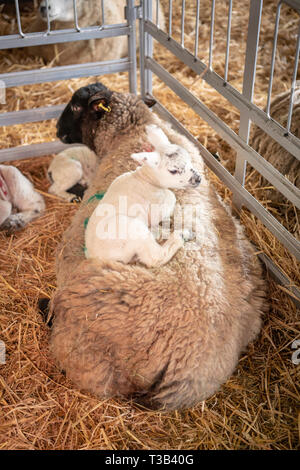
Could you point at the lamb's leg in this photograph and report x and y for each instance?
(24, 197)
(150, 253)
(64, 177)
(5, 211)
(57, 190)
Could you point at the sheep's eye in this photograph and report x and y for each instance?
(173, 172)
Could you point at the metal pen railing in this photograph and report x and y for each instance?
(249, 112)
(128, 28)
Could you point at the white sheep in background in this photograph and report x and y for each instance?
(89, 13)
(17, 193)
(71, 171)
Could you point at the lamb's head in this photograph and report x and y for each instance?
(88, 103)
(170, 164)
(170, 168)
(61, 10)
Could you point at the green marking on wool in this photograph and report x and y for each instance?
(97, 196)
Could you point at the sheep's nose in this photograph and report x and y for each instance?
(195, 180)
(65, 139)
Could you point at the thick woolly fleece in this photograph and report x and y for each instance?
(168, 337)
(272, 151)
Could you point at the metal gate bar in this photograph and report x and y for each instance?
(257, 115)
(64, 72)
(252, 204)
(265, 168)
(237, 142)
(59, 36)
(248, 88)
(77, 27)
(32, 150)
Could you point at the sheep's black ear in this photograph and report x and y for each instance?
(76, 109)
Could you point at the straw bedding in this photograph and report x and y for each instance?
(39, 407)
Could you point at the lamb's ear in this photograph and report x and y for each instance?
(149, 158)
(156, 136)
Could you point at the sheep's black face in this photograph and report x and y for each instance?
(91, 101)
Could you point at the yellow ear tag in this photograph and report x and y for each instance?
(108, 109)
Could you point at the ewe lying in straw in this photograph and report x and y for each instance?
(168, 336)
(120, 228)
(17, 193)
(89, 12)
(71, 172)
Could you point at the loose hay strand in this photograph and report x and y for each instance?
(39, 407)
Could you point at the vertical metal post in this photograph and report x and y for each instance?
(273, 57)
(103, 13)
(182, 21)
(211, 38)
(75, 15)
(130, 13)
(48, 18)
(228, 41)
(197, 29)
(19, 18)
(146, 49)
(248, 87)
(295, 71)
(170, 17)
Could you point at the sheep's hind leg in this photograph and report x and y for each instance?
(152, 254)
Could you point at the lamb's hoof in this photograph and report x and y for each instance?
(77, 190)
(12, 224)
(76, 199)
(44, 310)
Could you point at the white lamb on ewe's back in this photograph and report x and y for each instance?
(72, 167)
(118, 229)
(17, 194)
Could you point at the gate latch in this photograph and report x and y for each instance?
(133, 13)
